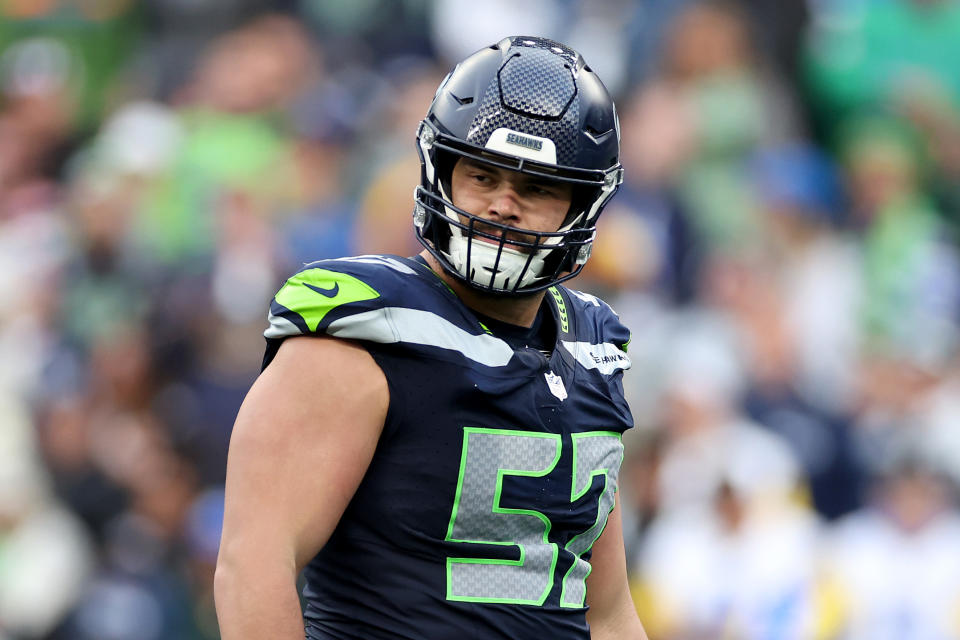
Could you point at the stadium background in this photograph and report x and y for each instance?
(784, 250)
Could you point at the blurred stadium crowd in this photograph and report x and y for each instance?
(785, 250)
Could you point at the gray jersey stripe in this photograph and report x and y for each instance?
(606, 357)
(399, 324)
(280, 327)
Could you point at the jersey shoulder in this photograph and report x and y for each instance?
(592, 331)
(380, 299)
(594, 318)
(319, 297)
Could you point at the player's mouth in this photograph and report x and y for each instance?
(516, 240)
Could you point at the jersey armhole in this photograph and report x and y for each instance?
(380, 354)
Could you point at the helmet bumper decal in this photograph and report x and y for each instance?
(523, 145)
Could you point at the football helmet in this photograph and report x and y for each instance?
(525, 104)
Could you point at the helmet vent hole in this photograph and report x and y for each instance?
(595, 132)
(462, 101)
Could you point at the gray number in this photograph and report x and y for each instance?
(489, 455)
(594, 454)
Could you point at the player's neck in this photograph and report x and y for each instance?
(518, 310)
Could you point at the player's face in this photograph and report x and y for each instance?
(509, 197)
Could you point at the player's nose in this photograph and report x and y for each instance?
(504, 205)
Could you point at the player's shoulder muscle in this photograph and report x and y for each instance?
(321, 405)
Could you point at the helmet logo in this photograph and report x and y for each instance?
(523, 145)
(524, 141)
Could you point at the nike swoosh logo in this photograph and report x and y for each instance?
(330, 293)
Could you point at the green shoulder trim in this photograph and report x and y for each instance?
(313, 293)
(561, 309)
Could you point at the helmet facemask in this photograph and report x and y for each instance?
(494, 257)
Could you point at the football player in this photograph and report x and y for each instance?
(435, 441)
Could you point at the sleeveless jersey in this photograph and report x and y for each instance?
(496, 469)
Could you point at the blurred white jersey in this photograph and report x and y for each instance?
(894, 585)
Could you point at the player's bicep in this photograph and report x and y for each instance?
(608, 563)
(302, 442)
(612, 613)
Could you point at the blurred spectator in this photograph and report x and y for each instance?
(862, 56)
(910, 267)
(455, 38)
(178, 31)
(893, 58)
(778, 28)
(321, 217)
(66, 435)
(383, 219)
(818, 434)
(794, 303)
(729, 553)
(727, 496)
(652, 246)
(730, 569)
(75, 51)
(45, 556)
(895, 566)
(712, 103)
(813, 266)
(708, 441)
(368, 31)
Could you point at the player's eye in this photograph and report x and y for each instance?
(480, 177)
(540, 190)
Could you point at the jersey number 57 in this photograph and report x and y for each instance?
(490, 455)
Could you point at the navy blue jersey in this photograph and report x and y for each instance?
(496, 469)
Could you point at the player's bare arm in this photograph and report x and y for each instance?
(612, 614)
(300, 446)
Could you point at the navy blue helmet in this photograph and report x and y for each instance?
(531, 105)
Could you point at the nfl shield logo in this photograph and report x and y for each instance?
(556, 385)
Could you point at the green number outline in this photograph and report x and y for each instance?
(501, 473)
(574, 496)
